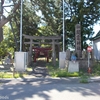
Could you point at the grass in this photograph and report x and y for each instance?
(15, 75)
(64, 73)
(84, 78)
(54, 71)
(96, 69)
(10, 75)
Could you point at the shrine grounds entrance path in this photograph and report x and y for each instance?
(39, 69)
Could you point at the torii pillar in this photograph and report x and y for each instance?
(53, 52)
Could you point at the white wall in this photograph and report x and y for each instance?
(96, 47)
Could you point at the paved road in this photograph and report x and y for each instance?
(42, 87)
(48, 89)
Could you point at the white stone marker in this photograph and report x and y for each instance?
(73, 66)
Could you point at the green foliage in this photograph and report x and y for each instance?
(44, 17)
(84, 78)
(7, 45)
(63, 73)
(50, 17)
(81, 12)
(5, 75)
(96, 69)
(54, 71)
(10, 75)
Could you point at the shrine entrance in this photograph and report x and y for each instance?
(34, 44)
(41, 51)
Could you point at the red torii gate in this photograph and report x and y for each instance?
(38, 50)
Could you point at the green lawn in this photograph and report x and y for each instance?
(54, 71)
(11, 75)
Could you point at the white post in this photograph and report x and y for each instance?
(21, 25)
(62, 55)
(63, 29)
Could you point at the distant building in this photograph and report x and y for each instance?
(96, 46)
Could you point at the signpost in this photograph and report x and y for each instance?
(89, 49)
(21, 25)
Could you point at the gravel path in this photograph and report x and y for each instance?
(39, 69)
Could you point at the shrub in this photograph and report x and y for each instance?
(63, 73)
(10, 75)
(84, 79)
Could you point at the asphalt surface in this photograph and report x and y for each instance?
(48, 89)
(40, 86)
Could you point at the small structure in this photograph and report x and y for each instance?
(21, 61)
(96, 46)
(73, 65)
(41, 51)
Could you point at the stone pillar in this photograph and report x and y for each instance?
(31, 46)
(30, 51)
(78, 40)
(68, 54)
(83, 54)
(53, 53)
(62, 60)
(67, 58)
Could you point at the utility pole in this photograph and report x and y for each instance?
(63, 28)
(21, 25)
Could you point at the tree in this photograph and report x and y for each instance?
(7, 45)
(49, 22)
(84, 12)
(51, 14)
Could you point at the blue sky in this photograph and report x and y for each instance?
(96, 28)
